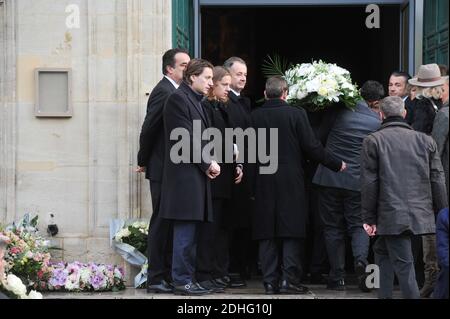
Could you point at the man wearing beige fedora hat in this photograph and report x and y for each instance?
(429, 83)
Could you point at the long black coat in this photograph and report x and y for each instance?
(186, 190)
(151, 140)
(222, 185)
(239, 211)
(280, 208)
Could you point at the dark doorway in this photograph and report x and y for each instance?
(335, 34)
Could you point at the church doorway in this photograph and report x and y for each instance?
(335, 34)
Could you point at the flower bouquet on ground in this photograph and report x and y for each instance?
(80, 277)
(12, 287)
(27, 254)
(314, 86)
(129, 239)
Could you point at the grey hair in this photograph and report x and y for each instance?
(275, 87)
(392, 106)
(230, 61)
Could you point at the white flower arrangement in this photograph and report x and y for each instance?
(319, 84)
(129, 239)
(14, 288)
(314, 86)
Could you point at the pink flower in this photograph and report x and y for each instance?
(15, 250)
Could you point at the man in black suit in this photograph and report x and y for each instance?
(238, 216)
(186, 188)
(280, 217)
(151, 160)
(340, 194)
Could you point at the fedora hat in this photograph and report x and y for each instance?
(429, 75)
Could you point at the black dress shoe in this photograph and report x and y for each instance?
(290, 288)
(338, 285)
(270, 289)
(231, 282)
(191, 289)
(235, 281)
(211, 285)
(163, 287)
(219, 282)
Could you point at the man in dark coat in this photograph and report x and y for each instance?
(186, 191)
(402, 188)
(340, 193)
(150, 161)
(239, 210)
(281, 212)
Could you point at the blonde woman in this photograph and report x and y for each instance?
(429, 83)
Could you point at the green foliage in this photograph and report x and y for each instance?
(274, 66)
(137, 239)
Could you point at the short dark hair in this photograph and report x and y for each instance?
(275, 86)
(372, 91)
(444, 69)
(196, 67)
(168, 58)
(230, 61)
(404, 75)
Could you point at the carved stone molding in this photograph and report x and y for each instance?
(8, 28)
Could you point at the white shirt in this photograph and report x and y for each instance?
(172, 81)
(237, 93)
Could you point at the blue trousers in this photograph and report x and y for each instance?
(184, 252)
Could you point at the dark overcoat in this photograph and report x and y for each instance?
(222, 185)
(240, 207)
(151, 140)
(186, 189)
(280, 202)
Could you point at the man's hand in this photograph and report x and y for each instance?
(371, 230)
(343, 167)
(213, 170)
(140, 169)
(239, 174)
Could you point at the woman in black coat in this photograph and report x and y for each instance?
(429, 83)
(426, 109)
(212, 250)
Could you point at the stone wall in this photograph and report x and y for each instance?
(80, 168)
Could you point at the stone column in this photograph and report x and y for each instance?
(8, 15)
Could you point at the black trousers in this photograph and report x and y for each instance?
(280, 259)
(340, 211)
(213, 247)
(316, 251)
(160, 238)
